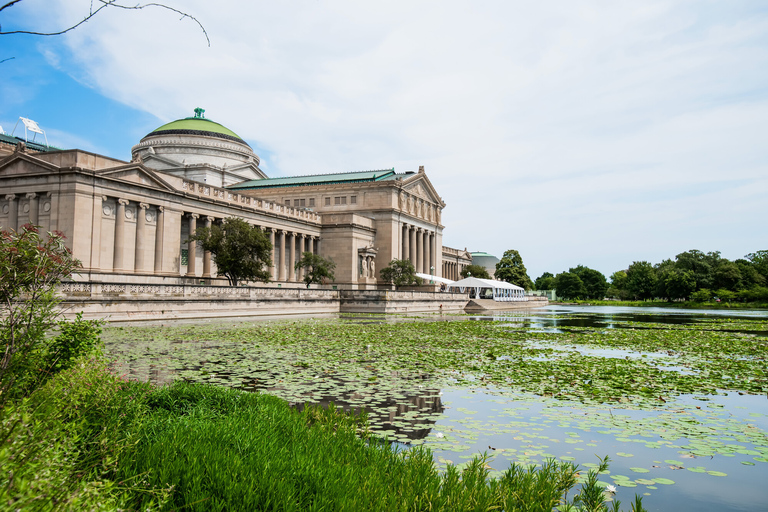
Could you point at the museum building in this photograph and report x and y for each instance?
(130, 221)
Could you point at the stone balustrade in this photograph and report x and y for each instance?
(256, 204)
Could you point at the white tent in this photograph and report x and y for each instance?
(501, 291)
(427, 278)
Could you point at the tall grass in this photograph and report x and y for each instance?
(88, 440)
(222, 449)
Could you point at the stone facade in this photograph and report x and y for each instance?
(128, 222)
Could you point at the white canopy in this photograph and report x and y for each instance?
(427, 278)
(501, 291)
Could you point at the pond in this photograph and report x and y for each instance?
(677, 399)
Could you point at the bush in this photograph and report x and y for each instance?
(76, 339)
(31, 266)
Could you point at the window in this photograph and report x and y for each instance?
(287, 202)
(337, 200)
(327, 201)
(300, 203)
(352, 199)
(311, 202)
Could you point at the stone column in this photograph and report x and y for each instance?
(419, 263)
(141, 234)
(272, 266)
(405, 246)
(118, 256)
(159, 239)
(207, 254)
(426, 252)
(291, 257)
(432, 252)
(192, 246)
(13, 212)
(34, 208)
(412, 243)
(281, 263)
(302, 249)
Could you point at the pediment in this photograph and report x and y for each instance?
(138, 174)
(419, 186)
(20, 164)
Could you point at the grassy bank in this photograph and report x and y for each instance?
(666, 304)
(89, 440)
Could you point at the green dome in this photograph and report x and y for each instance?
(197, 125)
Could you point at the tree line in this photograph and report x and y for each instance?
(692, 275)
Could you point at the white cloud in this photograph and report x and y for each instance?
(587, 131)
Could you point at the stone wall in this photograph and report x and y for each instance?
(126, 301)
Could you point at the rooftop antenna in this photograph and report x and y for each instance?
(31, 126)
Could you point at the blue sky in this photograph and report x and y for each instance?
(577, 132)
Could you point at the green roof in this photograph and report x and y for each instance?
(482, 254)
(321, 179)
(197, 125)
(36, 146)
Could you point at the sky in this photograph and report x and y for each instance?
(592, 132)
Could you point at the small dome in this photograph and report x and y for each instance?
(197, 125)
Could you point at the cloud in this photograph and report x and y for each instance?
(579, 131)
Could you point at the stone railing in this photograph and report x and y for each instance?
(222, 194)
(126, 291)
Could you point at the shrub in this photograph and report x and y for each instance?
(31, 266)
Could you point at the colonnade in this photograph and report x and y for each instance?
(419, 246)
(291, 244)
(287, 246)
(452, 270)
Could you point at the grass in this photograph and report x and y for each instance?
(88, 440)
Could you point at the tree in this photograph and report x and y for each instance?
(512, 270)
(702, 265)
(316, 268)
(31, 266)
(759, 260)
(569, 286)
(727, 275)
(750, 277)
(641, 280)
(679, 284)
(545, 281)
(595, 284)
(241, 251)
(93, 12)
(400, 273)
(475, 271)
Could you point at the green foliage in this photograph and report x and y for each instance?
(545, 281)
(240, 250)
(229, 450)
(641, 280)
(759, 260)
(63, 443)
(595, 284)
(570, 286)
(475, 271)
(316, 268)
(512, 270)
(31, 266)
(400, 273)
(76, 339)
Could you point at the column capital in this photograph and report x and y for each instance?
(143, 206)
(193, 215)
(161, 208)
(123, 202)
(104, 198)
(31, 195)
(210, 219)
(10, 197)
